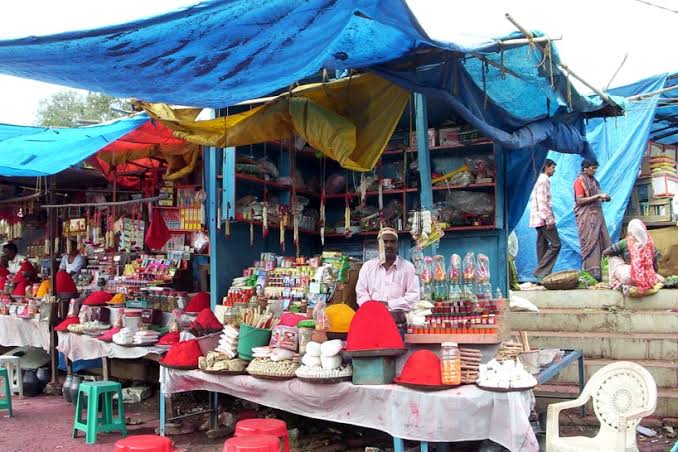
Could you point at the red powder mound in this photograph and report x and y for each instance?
(169, 338)
(207, 321)
(291, 319)
(63, 326)
(183, 354)
(20, 289)
(98, 298)
(64, 283)
(373, 328)
(108, 335)
(421, 368)
(200, 301)
(26, 266)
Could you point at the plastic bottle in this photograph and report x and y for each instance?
(450, 366)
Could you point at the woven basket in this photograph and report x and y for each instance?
(565, 280)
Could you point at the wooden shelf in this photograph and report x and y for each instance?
(463, 187)
(458, 338)
(441, 148)
(271, 184)
(276, 227)
(357, 234)
(483, 227)
(399, 191)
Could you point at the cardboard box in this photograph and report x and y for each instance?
(664, 186)
(449, 136)
(432, 139)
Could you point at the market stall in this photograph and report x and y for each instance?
(20, 332)
(401, 412)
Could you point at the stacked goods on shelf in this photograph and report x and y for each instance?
(297, 283)
(470, 362)
(459, 303)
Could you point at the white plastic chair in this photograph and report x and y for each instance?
(623, 393)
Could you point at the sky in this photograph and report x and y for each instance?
(596, 34)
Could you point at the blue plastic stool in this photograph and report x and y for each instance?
(6, 403)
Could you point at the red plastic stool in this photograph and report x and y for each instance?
(144, 443)
(252, 443)
(274, 427)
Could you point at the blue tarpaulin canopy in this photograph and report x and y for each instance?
(619, 144)
(40, 151)
(222, 52)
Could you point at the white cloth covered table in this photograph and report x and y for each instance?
(17, 332)
(81, 346)
(465, 413)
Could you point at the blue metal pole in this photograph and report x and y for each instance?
(212, 161)
(423, 155)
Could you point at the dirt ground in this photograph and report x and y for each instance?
(44, 423)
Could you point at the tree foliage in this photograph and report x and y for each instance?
(72, 109)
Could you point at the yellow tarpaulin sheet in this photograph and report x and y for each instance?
(349, 120)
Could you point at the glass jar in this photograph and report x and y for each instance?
(163, 300)
(171, 300)
(450, 365)
(182, 300)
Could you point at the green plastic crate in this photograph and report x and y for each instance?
(378, 370)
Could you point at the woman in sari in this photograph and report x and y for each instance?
(588, 211)
(632, 261)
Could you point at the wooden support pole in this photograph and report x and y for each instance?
(107, 204)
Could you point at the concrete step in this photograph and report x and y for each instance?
(595, 320)
(665, 299)
(667, 399)
(620, 346)
(665, 373)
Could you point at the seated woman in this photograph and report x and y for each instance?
(633, 260)
(73, 261)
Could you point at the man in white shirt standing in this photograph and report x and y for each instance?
(14, 259)
(388, 278)
(543, 219)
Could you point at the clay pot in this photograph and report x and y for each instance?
(44, 376)
(66, 388)
(75, 386)
(32, 386)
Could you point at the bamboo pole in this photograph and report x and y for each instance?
(652, 93)
(561, 66)
(522, 41)
(107, 204)
(21, 198)
(481, 57)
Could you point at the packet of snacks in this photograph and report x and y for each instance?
(286, 337)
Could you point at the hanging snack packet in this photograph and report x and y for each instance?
(469, 268)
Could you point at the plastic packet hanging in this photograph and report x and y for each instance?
(469, 268)
(427, 273)
(200, 242)
(73, 307)
(482, 269)
(455, 269)
(438, 268)
(320, 317)
(417, 259)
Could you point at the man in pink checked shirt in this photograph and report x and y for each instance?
(542, 218)
(389, 278)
